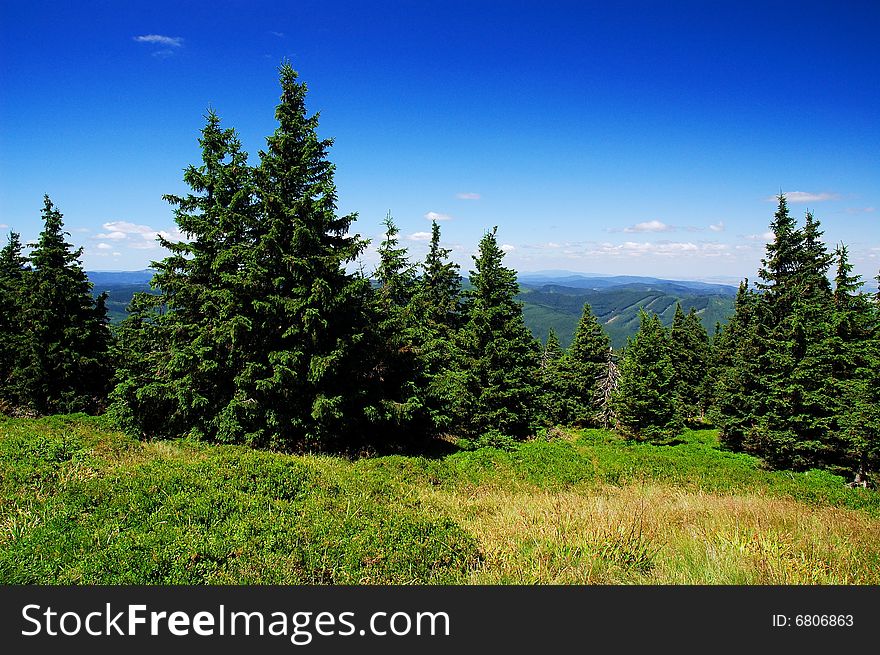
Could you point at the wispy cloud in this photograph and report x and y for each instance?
(860, 210)
(468, 196)
(804, 196)
(435, 216)
(506, 247)
(419, 236)
(132, 235)
(660, 248)
(766, 236)
(717, 227)
(649, 226)
(160, 39)
(105, 246)
(280, 35)
(3, 226)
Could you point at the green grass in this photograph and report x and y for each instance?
(82, 504)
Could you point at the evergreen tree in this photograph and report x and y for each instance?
(13, 268)
(499, 354)
(399, 366)
(646, 402)
(438, 317)
(553, 400)
(67, 366)
(315, 381)
(855, 352)
(182, 351)
(737, 397)
(580, 369)
(689, 349)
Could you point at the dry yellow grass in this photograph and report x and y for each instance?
(655, 534)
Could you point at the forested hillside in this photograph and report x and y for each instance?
(546, 305)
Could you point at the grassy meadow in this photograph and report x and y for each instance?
(80, 503)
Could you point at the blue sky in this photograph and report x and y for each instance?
(644, 138)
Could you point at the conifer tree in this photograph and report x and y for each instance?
(499, 353)
(855, 351)
(689, 349)
(553, 400)
(13, 268)
(182, 352)
(438, 317)
(315, 382)
(67, 366)
(580, 369)
(399, 364)
(737, 396)
(646, 402)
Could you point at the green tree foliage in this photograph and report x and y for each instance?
(498, 353)
(399, 368)
(261, 335)
(66, 363)
(796, 365)
(552, 410)
(646, 401)
(13, 269)
(438, 317)
(736, 398)
(182, 351)
(689, 349)
(579, 371)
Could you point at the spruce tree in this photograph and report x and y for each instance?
(182, 351)
(737, 349)
(66, 349)
(438, 317)
(13, 268)
(553, 408)
(580, 369)
(399, 367)
(689, 348)
(315, 382)
(646, 402)
(499, 354)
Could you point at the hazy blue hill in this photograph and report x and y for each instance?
(552, 299)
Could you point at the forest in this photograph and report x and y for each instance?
(259, 333)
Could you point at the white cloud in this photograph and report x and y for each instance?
(717, 227)
(280, 35)
(804, 196)
(132, 235)
(660, 249)
(506, 247)
(649, 226)
(159, 39)
(435, 216)
(860, 210)
(766, 236)
(420, 236)
(3, 226)
(105, 246)
(124, 227)
(468, 196)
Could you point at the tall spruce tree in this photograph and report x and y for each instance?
(13, 268)
(67, 364)
(438, 317)
(553, 408)
(689, 349)
(499, 354)
(580, 369)
(400, 371)
(182, 351)
(737, 349)
(646, 401)
(855, 350)
(315, 381)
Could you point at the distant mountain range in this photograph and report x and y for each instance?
(555, 300)
(551, 299)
